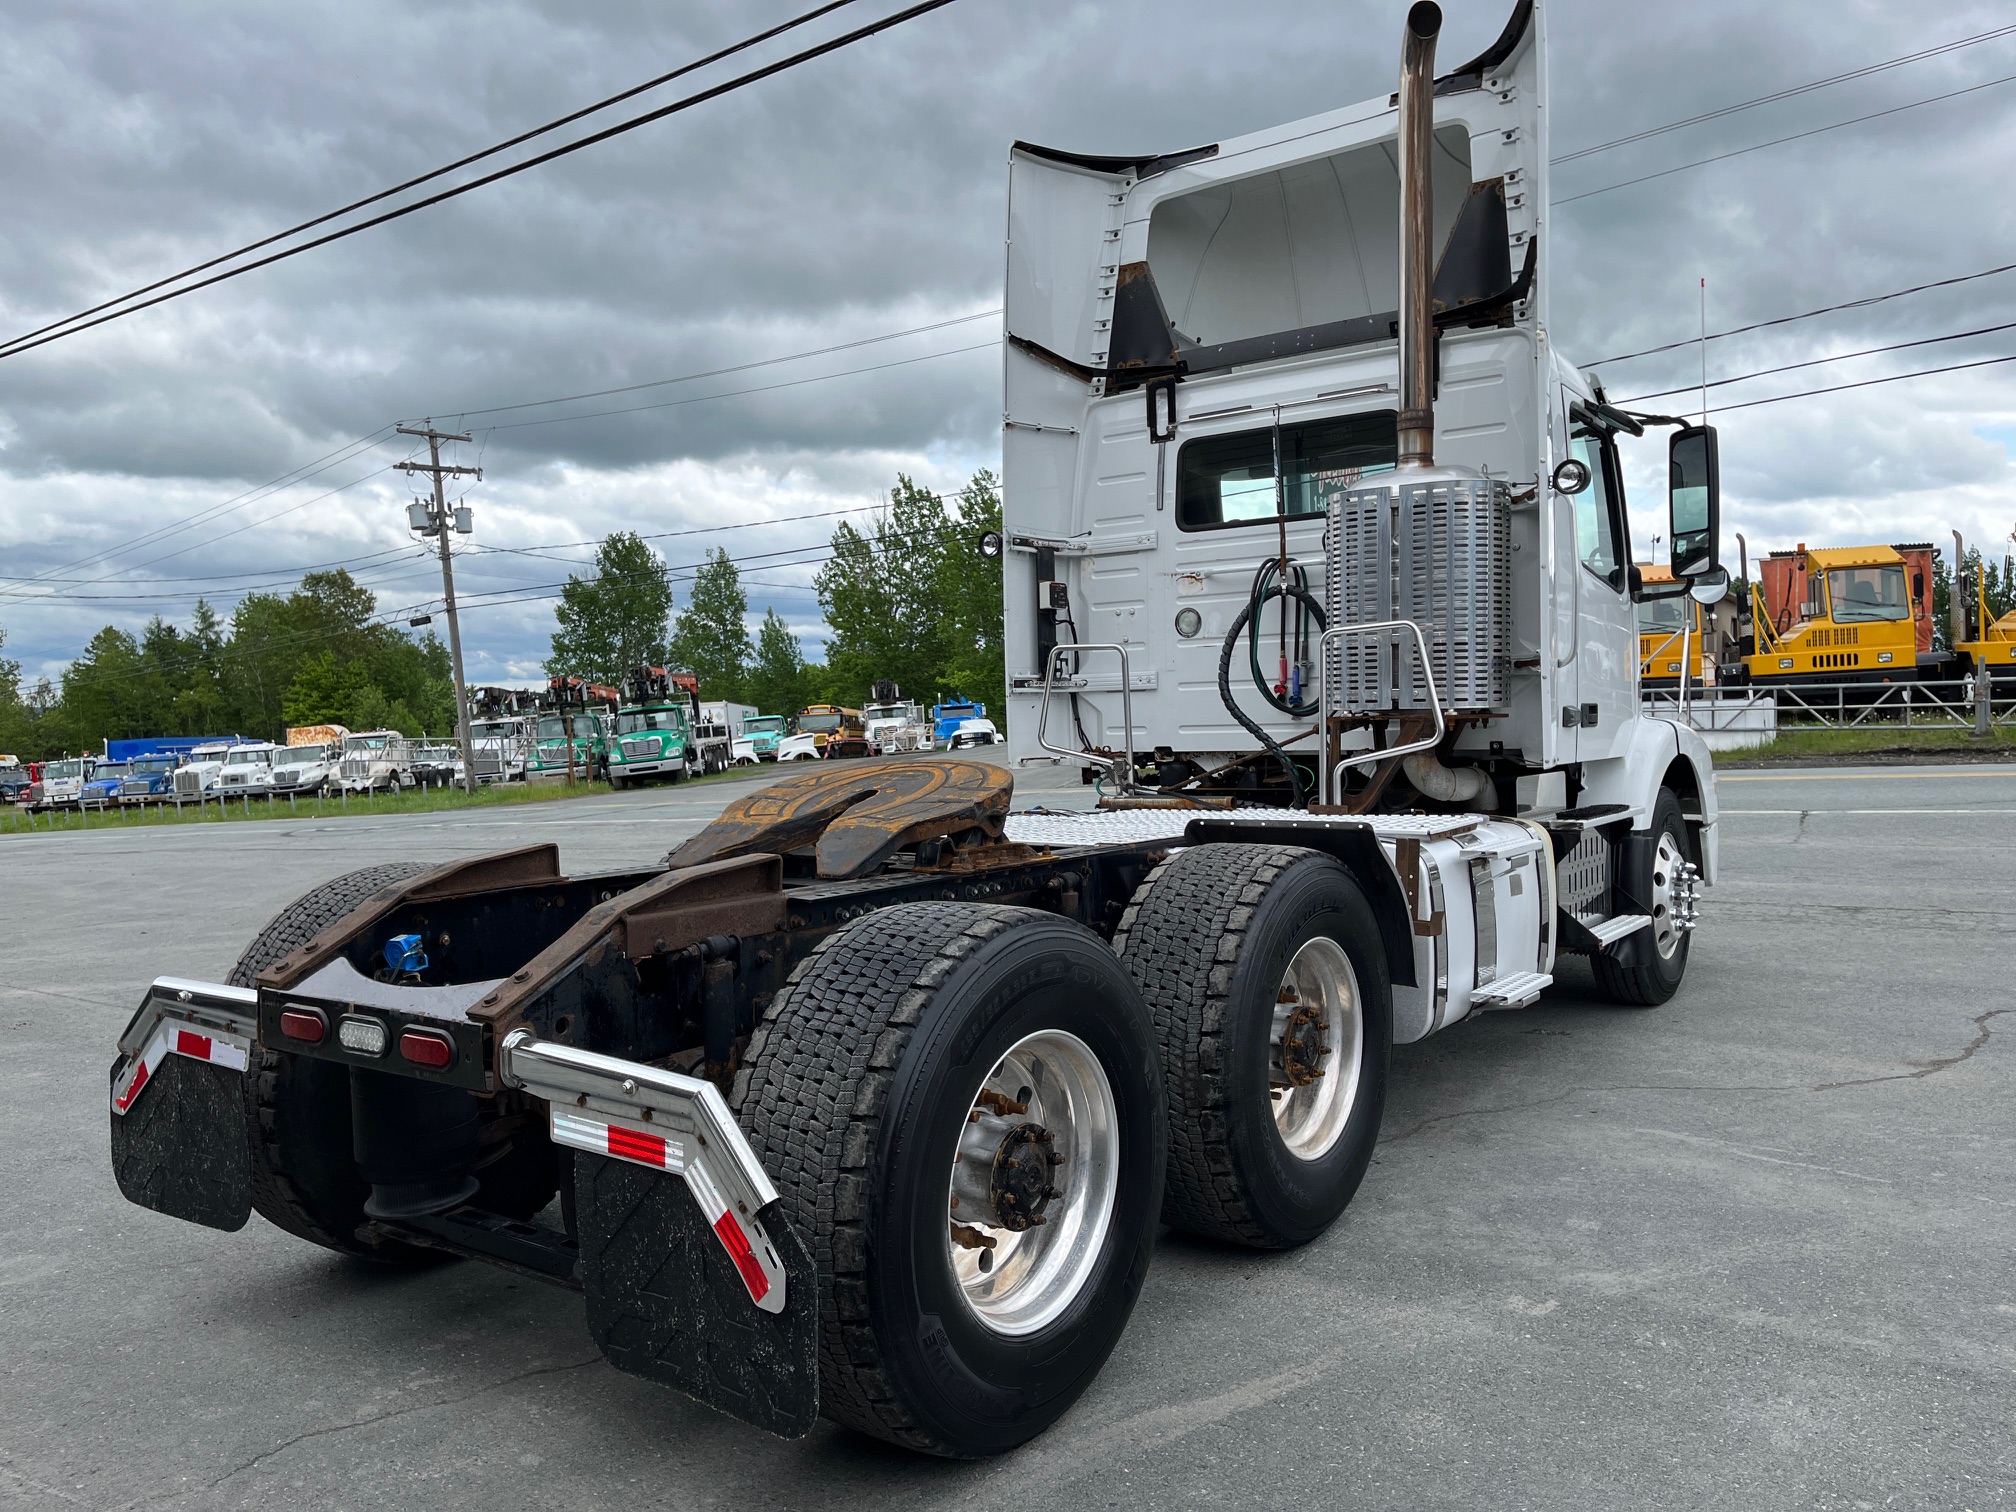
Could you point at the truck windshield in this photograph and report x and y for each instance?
(60, 769)
(885, 711)
(763, 724)
(299, 756)
(154, 764)
(1868, 593)
(111, 771)
(636, 721)
(815, 723)
(243, 757)
(551, 728)
(1656, 615)
(365, 743)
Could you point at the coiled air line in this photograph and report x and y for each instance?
(1291, 586)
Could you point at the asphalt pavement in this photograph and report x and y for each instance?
(1750, 1249)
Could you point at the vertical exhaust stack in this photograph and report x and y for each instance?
(1417, 234)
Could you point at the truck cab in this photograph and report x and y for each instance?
(62, 782)
(101, 790)
(572, 742)
(1841, 614)
(300, 770)
(374, 761)
(763, 732)
(1665, 626)
(248, 769)
(835, 731)
(653, 740)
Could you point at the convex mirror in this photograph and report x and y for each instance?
(1710, 587)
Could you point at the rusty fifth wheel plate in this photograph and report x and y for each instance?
(857, 816)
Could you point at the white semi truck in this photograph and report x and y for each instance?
(869, 1100)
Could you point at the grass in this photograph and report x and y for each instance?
(419, 801)
(15, 821)
(1794, 743)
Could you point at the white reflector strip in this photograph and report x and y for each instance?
(749, 1248)
(170, 1038)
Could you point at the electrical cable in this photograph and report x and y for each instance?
(743, 367)
(76, 323)
(1797, 136)
(432, 174)
(1839, 388)
(1760, 325)
(1790, 367)
(1785, 94)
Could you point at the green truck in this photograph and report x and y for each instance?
(659, 732)
(585, 730)
(763, 732)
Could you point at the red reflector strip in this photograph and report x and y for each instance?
(125, 1099)
(195, 1046)
(737, 1244)
(629, 1144)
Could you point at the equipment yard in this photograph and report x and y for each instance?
(1749, 1248)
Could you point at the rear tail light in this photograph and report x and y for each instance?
(361, 1035)
(304, 1024)
(423, 1047)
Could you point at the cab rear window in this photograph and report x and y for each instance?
(1223, 481)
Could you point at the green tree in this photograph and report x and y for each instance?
(326, 691)
(616, 619)
(711, 639)
(779, 681)
(881, 594)
(974, 661)
(912, 599)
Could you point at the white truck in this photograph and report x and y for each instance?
(502, 747)
(871, 1099)
(374, 761)
(299, 770)
(198, 776)
(248, 769)
(895, 725)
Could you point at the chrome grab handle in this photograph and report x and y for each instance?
(1331, 768)
(1123, 770)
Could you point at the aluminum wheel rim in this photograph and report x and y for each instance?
(1666, 863)
(1027, 1278)
(1311, 1117)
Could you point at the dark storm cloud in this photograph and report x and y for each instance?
(862, 194)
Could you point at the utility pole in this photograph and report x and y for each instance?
(436, 521)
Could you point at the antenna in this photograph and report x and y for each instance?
(1704, 349)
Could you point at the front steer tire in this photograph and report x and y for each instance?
(855, 1093)
(1640, 971)
(1209, 937)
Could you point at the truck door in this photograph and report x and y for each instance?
(1599, 687)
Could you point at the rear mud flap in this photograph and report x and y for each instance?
(667, 1302)
(181, 1147)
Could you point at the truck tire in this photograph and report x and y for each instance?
(616, 780)
(915, 1034)
(1272, 1116)
(297, 1110)
(1644, 970)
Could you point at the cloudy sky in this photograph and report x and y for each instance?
(227, 440)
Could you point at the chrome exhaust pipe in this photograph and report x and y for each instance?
(1417, 234)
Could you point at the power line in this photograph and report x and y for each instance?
(251, 495)
(1958, 367)
(1785, 94)
(631, 388)
(76, 323)
(1852, 304)
(1899, 346)
(474, 157)
(1796, 136)
(768, 388)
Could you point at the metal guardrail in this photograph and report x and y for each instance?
(1847, 706)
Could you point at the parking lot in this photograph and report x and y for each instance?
(1751, 1249)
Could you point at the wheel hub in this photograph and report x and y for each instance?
(1033, 1182)
(1303, 1041)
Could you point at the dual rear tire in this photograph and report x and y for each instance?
(970, 1111)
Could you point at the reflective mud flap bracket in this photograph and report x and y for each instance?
(179, 1141)
(713, 1293)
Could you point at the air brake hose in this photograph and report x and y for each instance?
(1287, 700)
(1239, 623)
